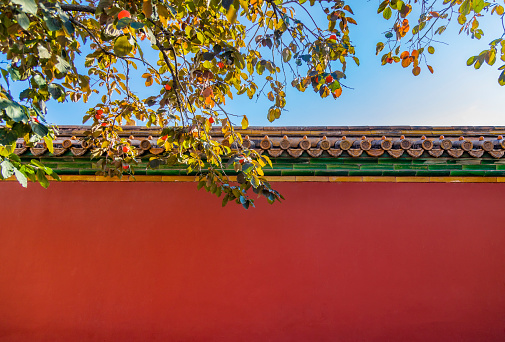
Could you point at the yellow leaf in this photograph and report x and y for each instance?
(232, 14)
(162, 13)
(245, 122)
(49, 144)
(168, 146)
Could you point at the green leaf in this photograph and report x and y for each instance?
(201, 184)
(382, 6)
(103, 4)
(225, 200)
(122, 46)
(15, 112)
(63, 66)
(57, 92)
(43, 52)
(208, 56)
(491, 57)
(501, 79)
(37, 163)
(246, 204)
(39, 129)
(286, 55)
(136, 25)
(23, 20)
(39, 80)
(28, 6)
(431, 49)
(464, 9)
(4, 75)
(54, 175)
(52, 23)
(14, 73)
(69, 27)
(478, 5)
(461, 19)
(41, 177)
(387, 13)
(123, 22)
(20, 176)
(255, 182)
(400, 5)
(7, 136)
(7, 169)
(379, 48)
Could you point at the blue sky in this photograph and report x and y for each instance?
(382, 95)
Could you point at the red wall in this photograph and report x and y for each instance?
(334, 262)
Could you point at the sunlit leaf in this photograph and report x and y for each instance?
(122, 46)
(28, 6)
(245, 122)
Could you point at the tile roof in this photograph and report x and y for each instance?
(323, 153)
(315, 142)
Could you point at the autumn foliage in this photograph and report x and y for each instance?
(194, 55)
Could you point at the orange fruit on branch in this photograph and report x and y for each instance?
(123, 14)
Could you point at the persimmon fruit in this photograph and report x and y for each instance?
(123, 14)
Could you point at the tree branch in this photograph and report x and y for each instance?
(78, 8)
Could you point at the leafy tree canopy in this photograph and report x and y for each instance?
(196, 54)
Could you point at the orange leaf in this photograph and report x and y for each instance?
(416, 71)
(406, 62)
(149, 81)
(430, 69)
(337, 92)
(404, 54)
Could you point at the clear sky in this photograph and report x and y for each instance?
(382, 95)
